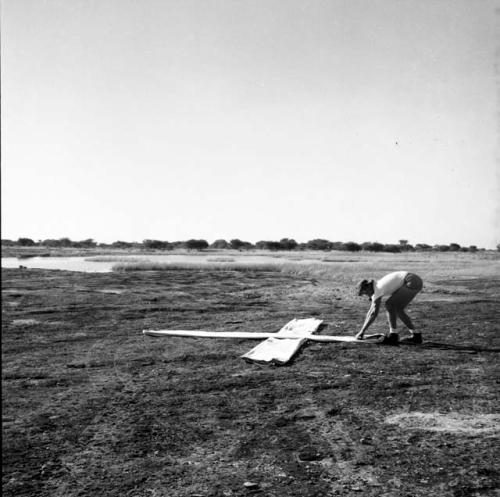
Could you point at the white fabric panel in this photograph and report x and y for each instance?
(280, 351)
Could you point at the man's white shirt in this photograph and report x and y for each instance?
(389, 284)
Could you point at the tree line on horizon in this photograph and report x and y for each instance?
(237, 244)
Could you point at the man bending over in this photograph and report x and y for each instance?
(400, 287)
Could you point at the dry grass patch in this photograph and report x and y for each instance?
(453, 422)
(201, 266)
(104, 258)
(25, 322)
(220, 259)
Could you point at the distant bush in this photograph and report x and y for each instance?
(25, 242)
(319, 244)
(50, 242)
(473, 248)
(156, 244)
(422, 247)
(338, 246)
(268, 245)
(373, 247)
(68, 243)
(351, 246)
(196, 244)
(176, 245)
(392, 248)
(88, 243)
(454, 247)
(288, 244)
(8, 243)
(220, 244)
(122, 245)
(65, 242)
(238, 244)
(441, 248)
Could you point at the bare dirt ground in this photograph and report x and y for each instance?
(91, 407)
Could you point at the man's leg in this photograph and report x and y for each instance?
(415, 336)
(406, 319)
(400, 299)
(412, 282)
(392, 338)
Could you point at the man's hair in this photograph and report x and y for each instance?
(364, 285)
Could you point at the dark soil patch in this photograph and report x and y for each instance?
(91, 407)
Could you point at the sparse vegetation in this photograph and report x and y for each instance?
(92, 407)
(285, 244)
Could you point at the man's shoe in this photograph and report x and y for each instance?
(415, 339)
(391, 339)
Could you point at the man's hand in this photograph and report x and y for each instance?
(370, 317)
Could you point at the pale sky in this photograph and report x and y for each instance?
(357, 120)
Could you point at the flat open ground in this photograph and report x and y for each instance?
(91, 407)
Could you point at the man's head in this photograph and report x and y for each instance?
(366, 287)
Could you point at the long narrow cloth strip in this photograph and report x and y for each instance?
(254, 335)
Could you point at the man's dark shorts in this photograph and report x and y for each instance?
(404, 295)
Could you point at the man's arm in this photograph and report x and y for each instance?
(370, 317)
